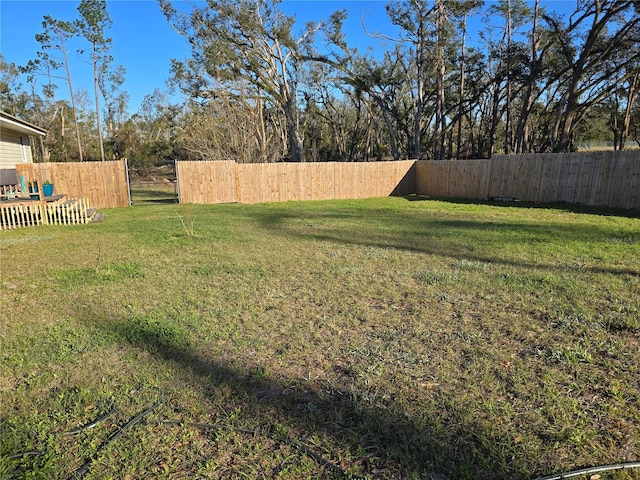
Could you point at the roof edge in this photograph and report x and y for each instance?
(20, 125)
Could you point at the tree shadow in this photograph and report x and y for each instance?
(455, 238)
(402, 444)
(507, 203)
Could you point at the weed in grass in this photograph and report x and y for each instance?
(98, 256)
(109, 272)
(625, 239)
(187, 219)
(434, 277)
(623, 318)
(570, 356)
(206, 270)
(469, 265)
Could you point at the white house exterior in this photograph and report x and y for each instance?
(15, 140)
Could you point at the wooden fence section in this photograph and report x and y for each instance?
(21, 215)
(453, 179)
(27, 213)
(222, 182)
(609, 179)
(376, 179)
(104, 184)
(601, 179)
(206, 182)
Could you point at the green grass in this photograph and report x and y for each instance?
(393, 338)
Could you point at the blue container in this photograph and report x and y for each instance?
(47, 189)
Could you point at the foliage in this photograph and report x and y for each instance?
(94, 20)
(261, 87)
(236, 44)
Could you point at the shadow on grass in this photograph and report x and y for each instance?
(142, 196)
(473, 240)
(372, 440)
(155, 201)
(560, 206)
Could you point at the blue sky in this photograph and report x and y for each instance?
(144, 42)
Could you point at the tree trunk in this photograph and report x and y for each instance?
(416, 142)
(390, 129)
(440, 120)
(634, 85)
(261, 131)
(296, 145)
(522, 133)
(73, 101)
(96, 89)
(507, 126)
(462, 72)
(495, 108)
(567, 109)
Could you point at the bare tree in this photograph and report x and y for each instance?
(250, 41)
(54, 38)
(92, 25)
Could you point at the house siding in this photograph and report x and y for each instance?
(15, 148)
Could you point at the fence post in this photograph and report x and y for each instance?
(126, 173)
(177, 170)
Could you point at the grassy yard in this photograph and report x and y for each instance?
(387, 338)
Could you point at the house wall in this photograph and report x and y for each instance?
(15, 148)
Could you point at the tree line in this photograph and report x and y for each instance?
(260, 87)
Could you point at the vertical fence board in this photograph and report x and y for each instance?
(499, 181)
(294, 182)
(325, 181)
(251, 183)
(277, 182)
(466, 179)
(622, 181)
(432, 178)
(457, 183)
(345, 181)
(600, 179)
(549, 189)
(384, 173)
(210, 182)
(531, 168)
(632, 172)
(395, 178)
(571, 178)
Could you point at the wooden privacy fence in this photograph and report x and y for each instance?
(607, 179)
(224, 182)
(602, 179)
(104, 184)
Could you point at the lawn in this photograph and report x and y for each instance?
(387, 338)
